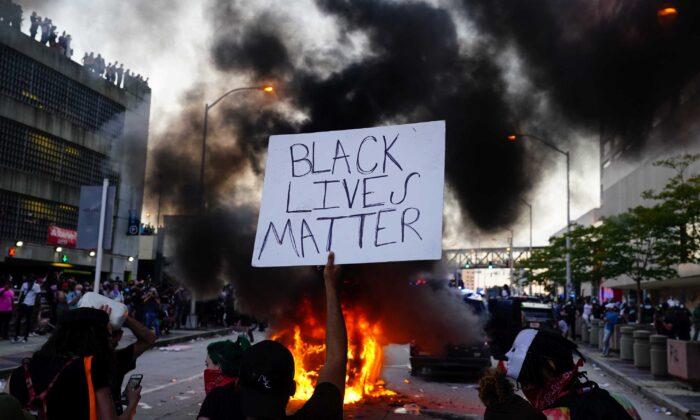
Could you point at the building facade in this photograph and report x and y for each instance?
(627, 170)
(63, 127)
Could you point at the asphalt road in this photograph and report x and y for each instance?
(173, 388)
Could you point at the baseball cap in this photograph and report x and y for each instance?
(266, 380)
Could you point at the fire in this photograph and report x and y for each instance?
(306, 342)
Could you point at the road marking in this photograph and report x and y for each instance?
(169, 384)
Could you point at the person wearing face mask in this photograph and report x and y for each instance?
(542, 364)
(223, 365)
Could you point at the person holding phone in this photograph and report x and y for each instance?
(125, 358)
(133, 383)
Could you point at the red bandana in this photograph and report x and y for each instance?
(554, 389)
(213, 378)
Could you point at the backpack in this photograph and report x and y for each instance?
(36, 404)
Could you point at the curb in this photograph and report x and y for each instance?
(658, 398)
(447, 415)
(162, 342)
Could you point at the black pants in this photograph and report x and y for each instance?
(5, 324)
(26, 312)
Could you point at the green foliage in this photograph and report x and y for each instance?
(644, 243)
(680, 202)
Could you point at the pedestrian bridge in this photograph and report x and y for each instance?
(502, 257)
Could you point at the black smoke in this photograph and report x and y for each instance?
(600, 66)
(607, 66)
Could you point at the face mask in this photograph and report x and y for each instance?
(517, 354)
(214, 378)
(554, 389)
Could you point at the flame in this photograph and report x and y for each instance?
(306, 342)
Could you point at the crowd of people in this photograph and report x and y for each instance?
(114, 73)
(31, 305)
(78, 372)
(670, 318)
(49, 35)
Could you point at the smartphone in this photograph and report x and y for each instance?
(134, 382)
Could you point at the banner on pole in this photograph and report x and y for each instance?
(89, 217)
(370, 195)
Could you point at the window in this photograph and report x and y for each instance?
(32, 151)
(44, 88)
(27, 218)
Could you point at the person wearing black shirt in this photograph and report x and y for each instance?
(267, 369)
(125, 359)
(73, 367)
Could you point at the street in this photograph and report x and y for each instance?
(173, 388)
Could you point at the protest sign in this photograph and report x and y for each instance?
(369, 194)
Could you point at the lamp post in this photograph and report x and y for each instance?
(192, 317)
(515, 137)
(207, 107)
(530, 250)
(510, 254)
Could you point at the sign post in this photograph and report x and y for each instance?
(370, 195)
(100, 235)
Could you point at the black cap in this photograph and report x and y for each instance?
(267, 379)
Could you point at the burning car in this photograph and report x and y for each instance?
(455, 359)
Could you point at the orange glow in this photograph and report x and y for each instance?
(667, 11)
(306, 342)
(512, 137)
(268, 89)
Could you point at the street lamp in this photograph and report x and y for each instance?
(192, 318)
(518, 136)
(207, 107)
(510, 254)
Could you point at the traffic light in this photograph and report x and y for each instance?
(64, 258)
(11, 252)
(467, 265)
(490, 264)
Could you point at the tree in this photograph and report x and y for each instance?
(546, 266)
(640, 244)
(680, 199)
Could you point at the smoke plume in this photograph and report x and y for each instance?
(604, 68)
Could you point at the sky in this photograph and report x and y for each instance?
(169, 42)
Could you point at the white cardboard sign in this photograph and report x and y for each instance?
(369, 194)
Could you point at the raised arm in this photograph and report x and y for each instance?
(334, 369)
(145, 338)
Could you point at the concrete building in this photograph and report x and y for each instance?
(627, 170)
(63, 127)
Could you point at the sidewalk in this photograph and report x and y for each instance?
(11, 355)
(665, 392)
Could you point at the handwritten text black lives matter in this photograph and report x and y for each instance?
(356, 173)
